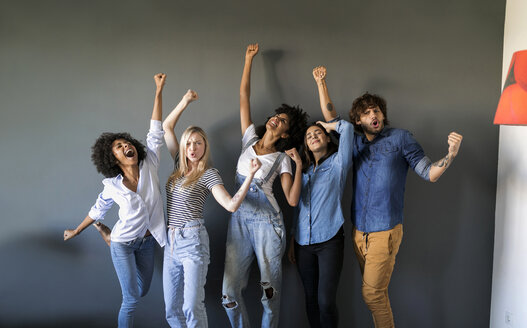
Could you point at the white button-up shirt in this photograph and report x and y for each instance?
(138, 211)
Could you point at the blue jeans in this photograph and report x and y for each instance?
(185, 267)
(134, 265)
(255, 230)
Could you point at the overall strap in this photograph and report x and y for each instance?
(249, 143)
(276, 163)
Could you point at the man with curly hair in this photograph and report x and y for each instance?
(131, 182)
(381, 158)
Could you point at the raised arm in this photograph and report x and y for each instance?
(439, 167)
(170, 122)
(157, 111)
(292, 186)
(223, 197)
(319, 74)
(245, 88)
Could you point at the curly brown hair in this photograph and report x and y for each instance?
(102, 154)
(360, 104)
(297, 127)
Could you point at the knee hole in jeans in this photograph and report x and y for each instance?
(227, 303)
(268, 289)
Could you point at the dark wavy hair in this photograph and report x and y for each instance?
(102, 154)
(364, 102)
(297, 126)
(308, 158)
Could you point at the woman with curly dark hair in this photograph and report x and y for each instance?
(131, 182)
(257, 229)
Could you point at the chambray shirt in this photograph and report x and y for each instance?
(380, 169)
(138, 211)
(319, 209)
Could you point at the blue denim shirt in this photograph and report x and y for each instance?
(380, 169)
(319, 209)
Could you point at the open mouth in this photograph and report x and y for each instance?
(129, 153)
(375, 123)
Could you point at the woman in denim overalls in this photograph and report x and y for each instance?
(257, 228)
(187, 254)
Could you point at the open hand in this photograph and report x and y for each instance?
(328, 126)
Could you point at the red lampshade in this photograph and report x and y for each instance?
(512, 108)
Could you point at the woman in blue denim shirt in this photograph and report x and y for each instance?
(187, 255)
(317, 242)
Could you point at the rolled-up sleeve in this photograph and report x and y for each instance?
(415, 156)
(102, 205)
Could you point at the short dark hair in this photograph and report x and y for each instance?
(364, 102)
(297, 126)
(102, 154)
(308, 157)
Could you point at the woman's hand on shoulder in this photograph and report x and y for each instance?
(328, 126)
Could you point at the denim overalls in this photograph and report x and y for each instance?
(255, 229)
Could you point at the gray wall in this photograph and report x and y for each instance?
(71, 70)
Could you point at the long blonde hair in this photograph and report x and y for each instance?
(182, 168)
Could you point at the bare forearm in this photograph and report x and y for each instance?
(438, 168)
(171, 120)
(68, 234)
(157, 111)
(326, 105)
(237, 199)
(293, 194)
(245, 95)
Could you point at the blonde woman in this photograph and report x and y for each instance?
(187, 253)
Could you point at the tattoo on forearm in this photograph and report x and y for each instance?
(445, 162)
(329, 106)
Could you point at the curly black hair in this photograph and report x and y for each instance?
(102, 154)
(360, 104)
(297, 127)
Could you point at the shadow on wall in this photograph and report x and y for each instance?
(66, 281)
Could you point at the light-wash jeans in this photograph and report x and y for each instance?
(134, 265)
(185, 267)
(255, 229)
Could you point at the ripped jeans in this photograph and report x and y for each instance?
(185, 266)
(255, 230)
